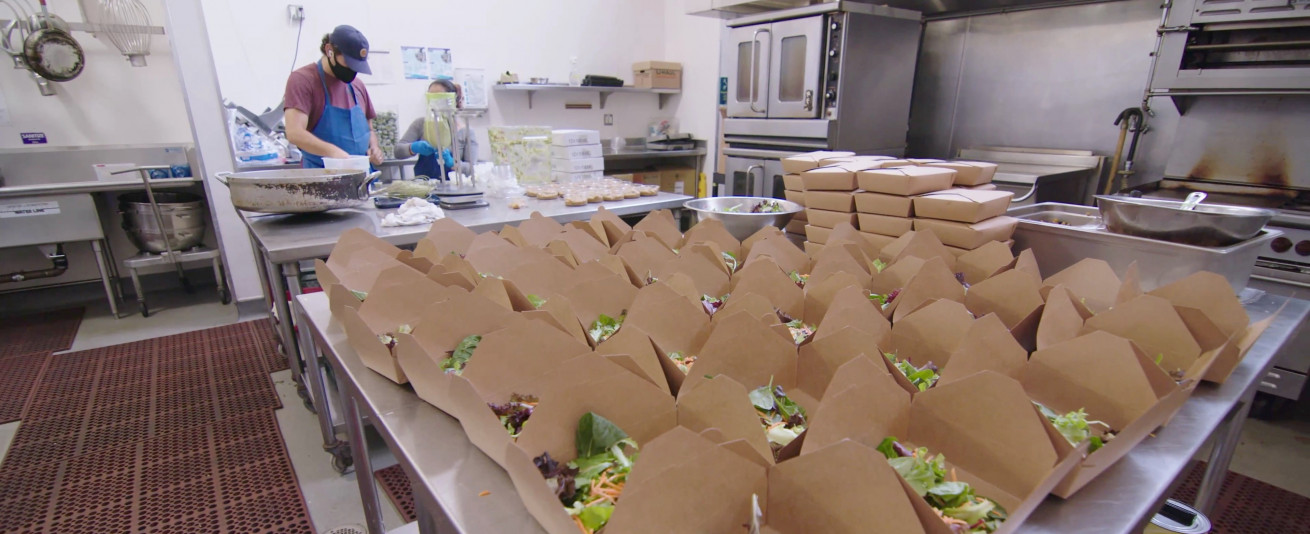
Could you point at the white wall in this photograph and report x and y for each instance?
(254, 43)
(110, 103)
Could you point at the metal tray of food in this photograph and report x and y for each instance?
(1061, 235)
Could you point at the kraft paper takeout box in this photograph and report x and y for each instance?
(895, 277)
(661, 224)
(804, 162)
(766, 279)
(1186, 343)
(820, 295)
(877, 241)
(933, 281)
(681, 471)
(923, 245)
(601, 295)
(440, 328)
(444, 237)
(985, 262)
(765, 233)
(538, 229)
(609, 224)
(968, 173)
(724, 404)
(1015, 297)
(781, 250)
(746, 350)
(584, 245)
(1092, 280)
(632, 349)
(852, 307)
(962, 205)
(1114, 382)
(819, 361)
(399, 298)
(796, 227)
(816, 234)
(838, 201)
(828, 219)
(355, 262)
(883, 204)
(644, 254)
(885, 225)
(905, 181)
(1062, 318)
(840, 258)
(711, 230)
(754, 305)
(986, 346)
(931, 334)
(704, 264)
(969, 236)
(671, 324)
(838, 177)
(793, 182)
(1209, 294)
(541, 277)
(863, 403)
(812, 248)
(848, 234)
(794, 196)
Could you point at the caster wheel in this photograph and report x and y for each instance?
(225, 297)
(145, 310)
(341, 461)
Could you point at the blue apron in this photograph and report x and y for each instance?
(429, 166)
(347, 128)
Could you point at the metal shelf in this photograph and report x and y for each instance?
(603, 92)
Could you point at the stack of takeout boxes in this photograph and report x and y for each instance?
(830, 195)
(794, 185)
(885, 201)
(576, 155)
(965, 219)
(710, 327)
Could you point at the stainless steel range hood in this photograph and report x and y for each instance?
(931, 9)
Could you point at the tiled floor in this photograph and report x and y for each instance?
(1274, 452)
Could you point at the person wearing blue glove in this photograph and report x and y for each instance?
(412, 143)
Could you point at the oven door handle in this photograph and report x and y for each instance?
(755, 69)
(750, 172)
(1027, 195)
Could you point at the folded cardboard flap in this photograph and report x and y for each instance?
(584, 244)
(711, 230)
(1211, 294)
(514, 236)
(968, 173)
(356, 269)
(541, 277)
(1061, 320)
(532, 489)
(1015, 297)
(896, 275)
(661, 224)
(906, 181)
(777, 247)
(764, 233)
(878, 242)
(804, 162)
(986, 346)
(703, 263)
(847, 234)
(985, 424)
(923, 245)
(863, 403)
(632, 348)
(681, 471)
(444, 237)
(816, 235)
(558, 312)
(1099, 373)
(601, 295)
(931, 334)
(812, 248)
(1093, 280)
(840, 259)
(828, 219)
(609, 224)
(743, 348)
(851, 307)
(933, 281)
(670, 320)
(836, 177)
(371, 351)
(1132, 286)
(985, 262)
(838, 201)
(1027, 262)
(885, 225)
(819, 295)
(683, 285)
(962, 205)
(753, 305)
(400, 296)
(818, 361)
(832, 490)
(724, 404)
(969, 236)
(502, 257)
(1236, 348)
(1154, 325)
(884, 204)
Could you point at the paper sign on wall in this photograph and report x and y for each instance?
(474, 84)
(422, 63)
(28, 209)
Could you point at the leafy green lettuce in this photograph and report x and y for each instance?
(922, 378)
(1075, 427)
(960, 508)
(536, 301)
(461, 355)
(589, 486)
(604, 327)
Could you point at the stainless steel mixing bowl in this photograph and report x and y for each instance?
(742, 224)
(1208, 225)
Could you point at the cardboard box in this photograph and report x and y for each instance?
(795, 196)
(828, 219)
(657, 75)
(839, 177)
(577, 152)
(660, 224)
(931, 334)
(1185, 346)
(565, 177)
(793, 182)
(984, 187)
(765, 278)
(625, 176)
(681, 181)
(923, 245)
(968, 173)
(962, 205)
(986, 346)
(839, 201)
(803, 162)
(880, 204)
(742, 348)
(577, 165)
(703, 262)
(1015, 297)
(812, 248)
(1207, 294)
(924, 161)
(711, 230)
(843, 257)
(848, 234)
(878, 241)
(648, 178)
(796, 227)
(779, 249)
(906, 181)
(969, 236)
(816, 234)
(882, 224)
(574, 137)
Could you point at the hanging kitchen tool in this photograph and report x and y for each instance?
(126, 25)
(1129, 120)
(159, 220)
(50, 50)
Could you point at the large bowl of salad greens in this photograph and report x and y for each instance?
(743, 216)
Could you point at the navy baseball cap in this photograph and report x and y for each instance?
(353, 47)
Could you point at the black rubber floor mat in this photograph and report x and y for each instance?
(231, 475)
(50, 331)
(395, 484)
(1248, 506)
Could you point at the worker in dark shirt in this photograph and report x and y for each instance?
(327, 108)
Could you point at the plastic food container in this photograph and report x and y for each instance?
(358, 163)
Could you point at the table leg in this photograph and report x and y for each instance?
(1221, 454)
(97, 247)
(368, 491)
(339, 450)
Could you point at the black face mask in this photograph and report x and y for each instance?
(341, 72)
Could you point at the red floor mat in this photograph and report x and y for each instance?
(266, 337)
(18, 374)
(1248, 506)
(51, 331)
(395, 484)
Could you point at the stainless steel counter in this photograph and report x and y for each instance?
(288, 238)
(93, 186)
(449, 472)
(645, 153)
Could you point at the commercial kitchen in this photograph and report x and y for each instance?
(874, 266)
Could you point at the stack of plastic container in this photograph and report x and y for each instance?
(576, 155)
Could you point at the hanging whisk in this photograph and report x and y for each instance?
(127, 24)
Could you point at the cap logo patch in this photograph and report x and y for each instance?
(363, 53)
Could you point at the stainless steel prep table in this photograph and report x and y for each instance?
(448, 472)
(283, 241)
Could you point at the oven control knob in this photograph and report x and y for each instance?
(832, 52)
(1281, 245)
(835, 26)
(1303, 248)
(831, 95)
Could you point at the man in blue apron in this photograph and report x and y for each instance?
(327, 108)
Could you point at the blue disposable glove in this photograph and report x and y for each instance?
(447, 159)
(422, 148)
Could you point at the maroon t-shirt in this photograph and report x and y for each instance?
(305, 93)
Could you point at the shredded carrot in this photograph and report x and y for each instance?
(953, 479)
(484, 494)
(577, 521)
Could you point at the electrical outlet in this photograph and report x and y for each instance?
(295, 12)
(609, 119)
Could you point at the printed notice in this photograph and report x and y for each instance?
(33, 138)
(28, 209)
